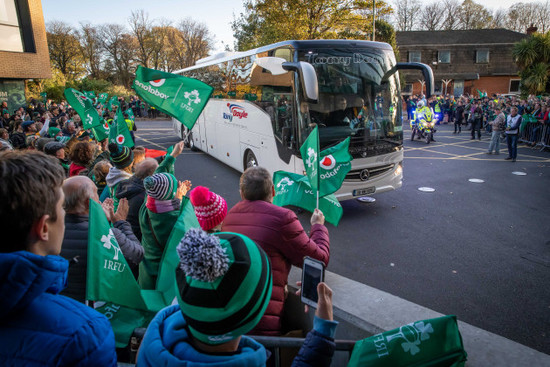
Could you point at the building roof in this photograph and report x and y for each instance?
(458, 37)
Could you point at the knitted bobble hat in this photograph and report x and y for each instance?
(161, 186)
(121, 156)
(53, 131)
(224, 285)
(210, 208)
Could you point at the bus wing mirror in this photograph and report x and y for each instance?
(272, 64)
(426, 72)
(308, 77)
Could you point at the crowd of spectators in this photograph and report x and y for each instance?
(51, 169)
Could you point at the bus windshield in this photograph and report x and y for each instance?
(354, 100)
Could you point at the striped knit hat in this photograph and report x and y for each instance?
(161, 186)
(210, 208)
(121, 156)
(224, 285)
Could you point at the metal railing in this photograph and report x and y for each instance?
(536, 134)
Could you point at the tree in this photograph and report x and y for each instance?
(90, 48)
(520, 16)
(64, 49)
(430, 17)
(120, 48)
(450, 15)
(142, 28)
(532, 55)
(196, 38)
(472, 15)
(266, 21)
(406, 14)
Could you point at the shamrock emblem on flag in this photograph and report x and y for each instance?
(89, 119)
(192, 97)
(285, 182)
(108, 244)
(413, 335)
(311, 157)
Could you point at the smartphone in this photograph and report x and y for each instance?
(313, 273)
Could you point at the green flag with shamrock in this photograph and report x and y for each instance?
(101, 132)
(103, 97)
(110, 280)
(112, 102)
(178, 96)
(334, 165)
(44, 96)
(310, 156)
(295, 189)
(130, 114)
(119, 133)
(83, 106)
(89, 94)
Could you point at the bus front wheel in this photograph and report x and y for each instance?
(250, 160)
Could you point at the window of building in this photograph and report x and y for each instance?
(514, 86)
(438, 86)
(10, 32)
(482, 56)
(407, 89)
(444, 57)
(414, 56)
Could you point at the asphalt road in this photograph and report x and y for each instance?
(480, 251)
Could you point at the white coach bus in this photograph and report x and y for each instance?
(266, 101)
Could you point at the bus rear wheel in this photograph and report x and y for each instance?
(250, 160)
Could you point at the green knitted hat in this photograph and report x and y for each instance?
(224, 284)
(161, 186)
(53, 131)
(121, 156)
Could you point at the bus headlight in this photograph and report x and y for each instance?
(399, 170)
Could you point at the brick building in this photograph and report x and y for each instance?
(23, 48)
(469, 59)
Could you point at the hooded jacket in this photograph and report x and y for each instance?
(113, 179)
(39, 327)
(167, 343)
(281, 235)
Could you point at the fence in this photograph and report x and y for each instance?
(536, 134)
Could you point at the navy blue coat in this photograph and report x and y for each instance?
(39, 327)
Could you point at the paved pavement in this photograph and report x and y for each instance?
(480, 251)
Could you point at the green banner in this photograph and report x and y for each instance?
(109, 278)
(432, 342)
(112, 102)
(295, 189)
(101, 132)
(119, 132)
(334, 165)
(310, 156)
(130, 114)
(89, 94)
(102, 97)
(84, 107)
(180, 97)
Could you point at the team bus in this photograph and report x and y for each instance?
(266, 101)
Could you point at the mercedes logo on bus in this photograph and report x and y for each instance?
(364, 175)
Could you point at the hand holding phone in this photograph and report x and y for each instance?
(313, 273)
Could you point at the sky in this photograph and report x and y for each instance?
(216, 14)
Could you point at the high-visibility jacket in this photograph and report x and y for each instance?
(130, 123)
(424, 115)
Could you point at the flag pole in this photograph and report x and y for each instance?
(317, 207)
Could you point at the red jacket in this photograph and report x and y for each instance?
(75, 169)
(279, 233)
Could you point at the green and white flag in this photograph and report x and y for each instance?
(112, 102)
(334, 165)
(178, 96)
(110, 280)
(295, 189)
(130, 114)
(89, 94)
(103, 97)
(310, 156)
(119, 133)
(101, 132)
(84, 107)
